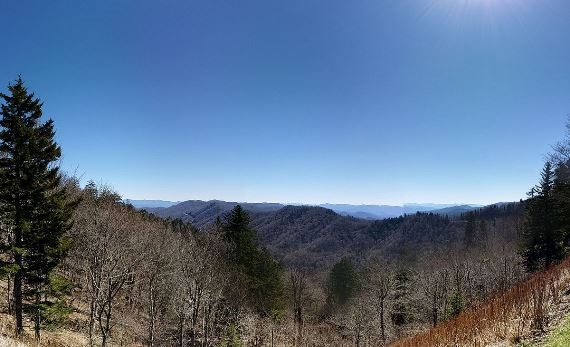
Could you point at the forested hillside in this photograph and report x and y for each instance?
(202, 213)
(316, 237)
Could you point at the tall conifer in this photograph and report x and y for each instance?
(260, 272)
(541, 239)
(34, 207)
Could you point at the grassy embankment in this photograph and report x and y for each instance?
(508, 319)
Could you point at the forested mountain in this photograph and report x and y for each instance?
(454, 211)
(312, 236)
(301, 235)
(387, 211)
(202, 212)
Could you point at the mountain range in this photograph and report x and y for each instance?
(196, 208)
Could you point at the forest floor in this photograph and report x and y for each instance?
(61, 338)
(72, 333)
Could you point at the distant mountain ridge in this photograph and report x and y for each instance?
(150, 203)
(388, 211)
(454, 211)
(202, 212)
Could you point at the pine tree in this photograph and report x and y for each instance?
(33, 204)
(343, 282)
(541, 245)
(260, 273)
(561, 202)
(240, 235)
(402, 309)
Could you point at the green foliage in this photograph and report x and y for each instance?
(53, 314)
(402, 312)
(32, 202)
(233, 339)
(456, 303)
(240, 235)
(561, 202)
(542, 237)
(260, 273)
(342, 282)
(560, 337)
(59, 286)
(8, 270)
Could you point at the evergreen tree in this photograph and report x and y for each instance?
(342, 282)
(241, 236)
(260, 273)
(456, 303)
(561, 202)
(401, 309)
(34, 206)
(541, 245)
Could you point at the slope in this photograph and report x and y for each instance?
(525, 310)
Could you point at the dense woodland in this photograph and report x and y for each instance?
(81, 259)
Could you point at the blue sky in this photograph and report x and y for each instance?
(298, 101)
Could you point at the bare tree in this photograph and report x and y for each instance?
(379, 281)
(109, 249)
(198, 285)
(298, 283)
(435, 287)
(159, 266)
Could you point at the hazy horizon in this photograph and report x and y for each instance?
(409, 203)
(299, 101)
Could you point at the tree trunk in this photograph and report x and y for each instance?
(19, 262)
(382, 323)
(37, 320)
(181, 336)
(18, 296)
(91, 321)
(151, 314)
(10, 304)
(108, 321)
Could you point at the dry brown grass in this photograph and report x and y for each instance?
(524, 308)
(73, 334)
(60, 338)
(8, 342)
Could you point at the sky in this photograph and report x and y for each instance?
(299, 101)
